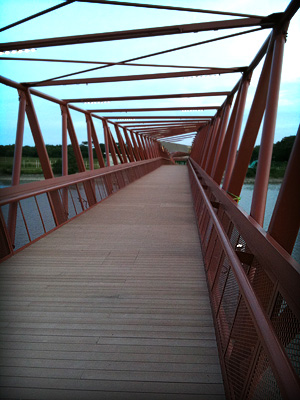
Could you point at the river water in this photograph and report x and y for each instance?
(245, 203)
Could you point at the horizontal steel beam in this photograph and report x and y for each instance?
(133, 34)
(170, 8)
(113, 110)
(128, 64)
(150, 97)
(195, 117)
(126, 78)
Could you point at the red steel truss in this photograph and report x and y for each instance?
(252, 278)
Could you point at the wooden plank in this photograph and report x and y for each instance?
(113, 304)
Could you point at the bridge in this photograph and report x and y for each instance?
(136, 278)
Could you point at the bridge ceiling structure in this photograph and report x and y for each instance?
(157, 80)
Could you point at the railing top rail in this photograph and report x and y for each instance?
(277, 261)
(19, 192)
(287, 379)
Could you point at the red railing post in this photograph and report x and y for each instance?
(135, 147)
(223, 152)
(121, 143)
(206, 143)
(140, 147)
(265, 154)
(251, 130)
(64, 151)
(112, 146)
(96, 143)
(214, 136)
(58, 210)
(89, 190)
(236, 132)
(221, 135)
(16, 173)
(284, 225)
(106, 141)
(89, 139)
(129, 145)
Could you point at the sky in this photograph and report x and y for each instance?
(84, 18)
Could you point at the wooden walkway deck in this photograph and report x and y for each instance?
(114, 304)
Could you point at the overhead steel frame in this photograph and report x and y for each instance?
(132, 152)
(253, 280)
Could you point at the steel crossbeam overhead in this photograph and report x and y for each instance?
(196, 117)
(126, 78)
(149, 97)
(171, 8)
(139, 33)
(128, 110)
(125, 63)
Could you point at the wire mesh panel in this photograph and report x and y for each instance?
(287, 327)
(233, 266)
(32, 218)
(44, 206)
(263, 385)
(241, 350)
(262, 284)
(75, 197)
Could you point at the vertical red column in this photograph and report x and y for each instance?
(221, 162)
(89, 138)
(251, 129)
(121, 143)
(140, 147)
(16, 173)
(57, 207)
(210, 153)
(96, 143)
(129, 145)
(64, 150)
(265, 154)
(106, 143)
(221, 136)
(135, 147)
(236, 132)
(64, 153)
(285, 221)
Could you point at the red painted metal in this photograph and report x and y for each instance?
(236, 133)
(16, 173)
(127, 78)
(105, 129)
(135, 33)
(285, 222)
(90, 146)
(96, 143)
(172, 8)
(261, 334)
(152, 97)
(214, 133)
(265, 154)
(252, 279)
(122, 145)
(223, 152)
(64, 140)
(251, 129)
(129, 145)
(113, 110)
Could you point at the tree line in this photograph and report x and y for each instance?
(54, 151)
